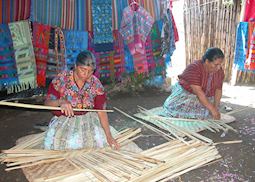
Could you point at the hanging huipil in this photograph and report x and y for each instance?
(250, 55)
(167, 35)
(135, 27)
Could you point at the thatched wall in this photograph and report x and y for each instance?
(210, 23)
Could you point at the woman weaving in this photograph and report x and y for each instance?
(78, 89)
(199, 90)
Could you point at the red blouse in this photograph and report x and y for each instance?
(195, 74)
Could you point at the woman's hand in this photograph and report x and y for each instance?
(66, 108)
(215, 114)
(113, 143)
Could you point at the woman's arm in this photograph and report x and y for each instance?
(217, 97)
(103, 117)
(66, 107)
(197, 90)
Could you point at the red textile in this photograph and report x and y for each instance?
(249, 14)
(195, 74)
(250, 55)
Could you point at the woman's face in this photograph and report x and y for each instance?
(84, 72)
(214, 65)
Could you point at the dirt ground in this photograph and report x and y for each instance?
(237, 163)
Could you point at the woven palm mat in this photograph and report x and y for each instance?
(163, 162)
(194, 126)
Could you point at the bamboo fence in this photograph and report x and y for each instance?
(210, 23)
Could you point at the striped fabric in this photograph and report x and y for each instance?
(67, 14)
(8, 71)
(24, 55)
(14, 10)
(41, 38)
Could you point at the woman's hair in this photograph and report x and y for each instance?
(212, 54)
(86, 58)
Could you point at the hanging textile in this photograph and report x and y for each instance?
(241, 45)
(135, 27)
(75, 42)
(56, 57)
(167, 35)
(118, 56)
(41, 38)
(129, 62)
(14, 10)
(105, 66)
(8, 71)
(140, 63)
(24, 55)
(67, 14)
(250, 55)
(102, 25)
(149, 54)
(249, 14)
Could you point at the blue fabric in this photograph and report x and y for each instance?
(129, 63)
(75, 42)
(102, 21)
(103, 47)
(8, 72)
(241, 45)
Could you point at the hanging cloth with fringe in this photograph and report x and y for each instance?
(8, 71)
(41, 38)
(24, 55)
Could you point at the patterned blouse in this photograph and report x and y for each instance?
(91, 95)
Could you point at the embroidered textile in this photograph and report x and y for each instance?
(241, 45)
(102, 24)
(8, 71)
(135, 27)
(75, 42)
(14, 10)
(249, 14)
(24, 55)
(41, 38)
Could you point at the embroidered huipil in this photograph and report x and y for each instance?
(135, 27)
(91, 95)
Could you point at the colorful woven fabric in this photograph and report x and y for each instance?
(140, 63)
(56, 57)
(102, 25)
(14, 10)
(8, 71)
(249, 14)
(241, 45)
(75, 42)
(129, 62)
(135, 27)
(185, 105)
(24, 55)
(41, 38)
(105, 66)
(167, 35)
(67, 14)
(250, 55)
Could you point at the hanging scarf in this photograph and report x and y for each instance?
(249, 14)
(8, 71)
(241, 45)
(75, 42)
(24, 54)
(102, 25)
(56, 57)
(41, 38)
(14, 10)
(250, 56)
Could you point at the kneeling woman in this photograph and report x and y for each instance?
(78, 89)
(199, 90)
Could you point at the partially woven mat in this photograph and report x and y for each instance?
(194, 126)
(57, 171)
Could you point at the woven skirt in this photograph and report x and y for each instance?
(80, 131)
(183, 104)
